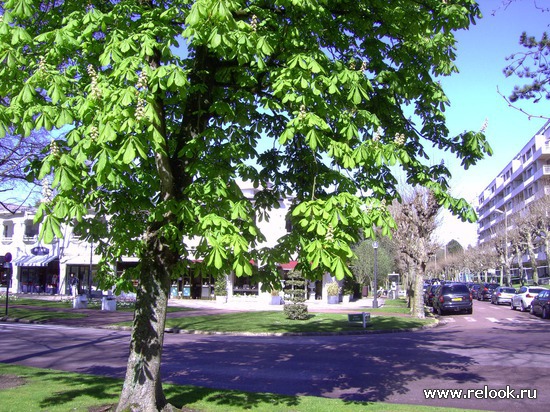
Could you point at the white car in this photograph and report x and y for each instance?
(524, 297)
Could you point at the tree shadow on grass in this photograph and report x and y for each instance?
(189, 395)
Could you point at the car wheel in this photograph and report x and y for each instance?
(522, 306)
(532, 311)
(545, 312)
(439, 311)
(512, 305)
(470, 311)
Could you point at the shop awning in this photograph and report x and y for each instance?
(289, 266)
(34, 260)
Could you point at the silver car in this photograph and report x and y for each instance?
(503, 294)
(524, 297)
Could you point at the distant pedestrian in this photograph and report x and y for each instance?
(73, 282)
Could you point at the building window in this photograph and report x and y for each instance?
(527, 155)
(7, 232)
(31, 229)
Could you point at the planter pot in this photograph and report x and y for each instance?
(80, 302)
(108, 304)
(275, 300)
(221, 299)
(346, 298)
(332, 300)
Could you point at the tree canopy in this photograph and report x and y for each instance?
(163, 106)
(16, 153)
(530, 64)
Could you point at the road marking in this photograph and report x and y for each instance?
(469, 319)
(494, 320)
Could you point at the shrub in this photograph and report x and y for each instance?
(220, 287)
(333, 289)
(296, 309)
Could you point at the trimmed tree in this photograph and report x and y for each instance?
(161, 107)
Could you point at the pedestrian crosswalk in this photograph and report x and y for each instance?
(470, 319)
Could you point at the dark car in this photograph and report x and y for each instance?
(429, 294)
(452, 297)
(474, 288)
(486, 290)
(540, 305)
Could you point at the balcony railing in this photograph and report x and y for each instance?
(30, 238)
(7, 240)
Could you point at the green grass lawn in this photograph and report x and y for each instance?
(37, 315)
(276, 322)
(55, 391)
(239, 322)
(67, 303)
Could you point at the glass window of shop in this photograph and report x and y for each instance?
(87, 284)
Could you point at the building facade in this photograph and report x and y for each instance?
(39, 268)
(525, 179)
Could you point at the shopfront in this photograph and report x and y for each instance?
(38, 274)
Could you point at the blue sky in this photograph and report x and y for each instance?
(481, 56)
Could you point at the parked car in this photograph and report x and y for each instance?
(474, 289)
(486, 290)
(502, 294)
(523, 298)
(540, 305)
(429, 294)
(453, 297)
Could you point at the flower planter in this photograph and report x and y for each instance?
(332, 300)
(221, 299)
(80, 302)
(108, 304)
(275, 300)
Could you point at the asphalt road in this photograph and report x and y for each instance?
(490, 354)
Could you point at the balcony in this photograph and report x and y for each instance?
(7, 240)
(30, 239)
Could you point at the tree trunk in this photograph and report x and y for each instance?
(417, 297)
(142, 390)
(533, 261)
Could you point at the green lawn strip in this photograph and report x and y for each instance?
(57, 303)
(276, 322)
(67, 303)
(56, 391)
(38, 315)
(389, 309)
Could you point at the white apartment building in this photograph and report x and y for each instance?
(523, 180)
(40, 268)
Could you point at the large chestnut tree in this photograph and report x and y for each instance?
(161, 106)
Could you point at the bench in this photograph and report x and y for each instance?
(363, 317)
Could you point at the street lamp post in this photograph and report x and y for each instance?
(375, 291)
(8, 271)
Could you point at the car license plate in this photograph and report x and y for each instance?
(457, 299)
